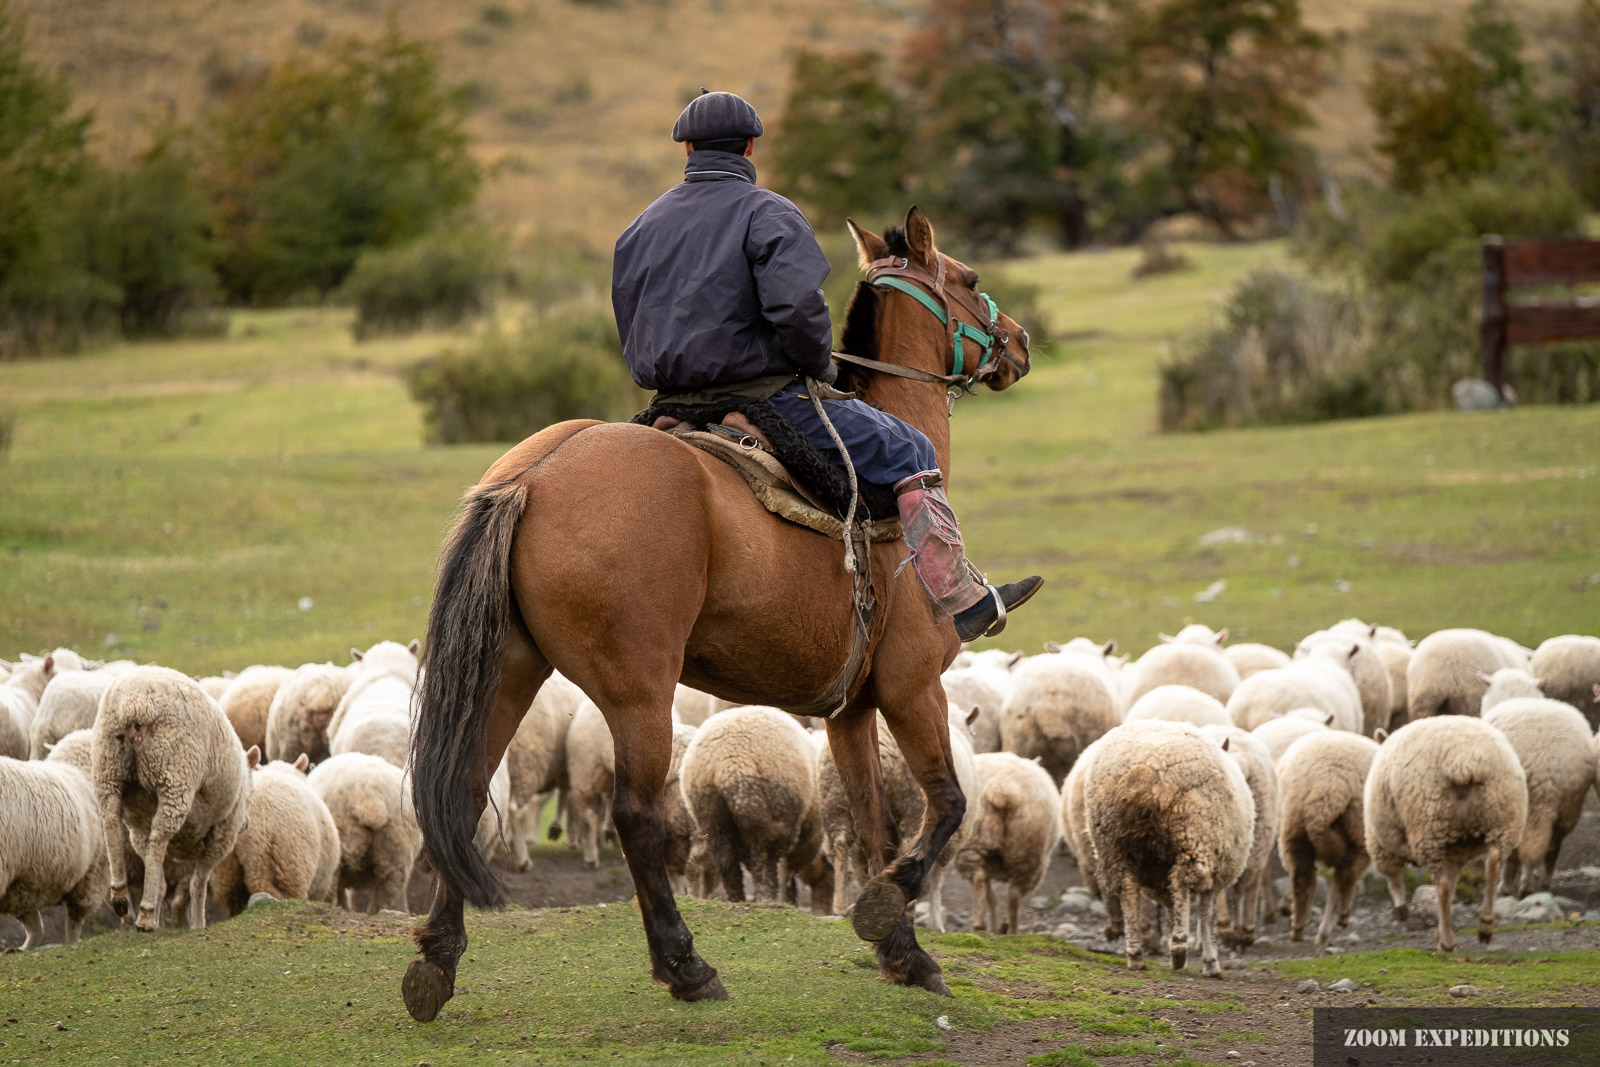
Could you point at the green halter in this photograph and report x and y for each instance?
(963, 330)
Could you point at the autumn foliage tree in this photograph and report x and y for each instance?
(1222, 86)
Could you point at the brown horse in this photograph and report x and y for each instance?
(630, 561)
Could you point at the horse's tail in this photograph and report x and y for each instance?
(467, 627)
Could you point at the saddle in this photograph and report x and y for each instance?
(738, 441)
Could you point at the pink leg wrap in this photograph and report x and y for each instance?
(933, 543)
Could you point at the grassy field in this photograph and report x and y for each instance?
(298, 983)
(265, 497)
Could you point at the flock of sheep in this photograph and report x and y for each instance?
(1172, 779)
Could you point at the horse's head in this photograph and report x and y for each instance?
(957, 332)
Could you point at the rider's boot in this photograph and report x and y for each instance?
(956, 587)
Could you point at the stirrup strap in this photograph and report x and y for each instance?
(999, 623)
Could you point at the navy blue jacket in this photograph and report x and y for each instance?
(718, 282)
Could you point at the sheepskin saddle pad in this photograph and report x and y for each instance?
(787, 474)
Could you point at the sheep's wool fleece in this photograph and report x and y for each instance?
(1439, 781)
(1167, 806)
(1320, 779)
(189, 749)
(52, 840)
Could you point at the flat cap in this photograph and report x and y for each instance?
(717, 117)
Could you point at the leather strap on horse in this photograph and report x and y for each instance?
(864, 601)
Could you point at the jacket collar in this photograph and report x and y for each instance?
(705, 166)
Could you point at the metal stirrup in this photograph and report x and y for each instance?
(999, 623)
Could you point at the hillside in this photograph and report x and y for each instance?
(572, 99)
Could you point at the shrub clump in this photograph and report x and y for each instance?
(565, 365)
(445, 278)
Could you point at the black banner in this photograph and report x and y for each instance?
(1456, 1037)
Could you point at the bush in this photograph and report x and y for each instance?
(1286, 351)
(442, 279)
(359, 147)
(567, 365)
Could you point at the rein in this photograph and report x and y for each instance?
(898, 274)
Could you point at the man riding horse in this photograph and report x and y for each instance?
(716, 289)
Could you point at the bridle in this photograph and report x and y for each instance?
(929, 290)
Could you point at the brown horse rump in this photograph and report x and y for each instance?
(774, 487)
(811, 472)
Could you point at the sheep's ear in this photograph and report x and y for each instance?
(1166, 639)
(1597, 692)
(252, 756)
(49, 663)
(1109, 647)
(230, 675)
(1016, 657)
(972, 716)
(6, 665)
(1380, 735)
(29, 657)
(414, 647)
(1329, 720)
(869, 246)
(1486, 679)
(48, 747)
(1225, 741)
(1051, 646)
(1373, 631)
(1222, 635)
(1354, 651)
(356, 654)
(1539, 682)
(302, 763)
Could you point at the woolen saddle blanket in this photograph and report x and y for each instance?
(769, 479)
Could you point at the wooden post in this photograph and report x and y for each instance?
(1492, 329)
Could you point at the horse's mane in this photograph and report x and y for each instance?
(860, 335)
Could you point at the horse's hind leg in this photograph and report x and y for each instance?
(431, 981)
(642, 730)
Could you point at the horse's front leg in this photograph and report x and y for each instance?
(921, 727)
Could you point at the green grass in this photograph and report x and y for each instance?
(292, 983)
(1539, 979)
(176, 501)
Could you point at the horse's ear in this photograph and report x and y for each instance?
(919, 238)
(869, 246)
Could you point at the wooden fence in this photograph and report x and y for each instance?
(1521, 263)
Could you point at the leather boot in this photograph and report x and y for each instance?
(957, 588)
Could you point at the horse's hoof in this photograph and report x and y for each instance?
(426, 990)
(879, 909)
(934, 983)
(710, 989)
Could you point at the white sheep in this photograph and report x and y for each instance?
(379, 839)
(1441, 791)
(168, 771)
(1321, 780)
(1261, 776)
(748, 780)
(1446, 669)
(1358, 655)
(374, 716)
(989, 657)
(1278, 734)
(1013, 833)
(678, 829)
(1552, 741)
(537, 759)
(1508, 683)
(1570, 668)
(984, 689)
(1314, 682)
(21, 693)
(1074, 824)
(692, 707)
(77, 749)
(297, 719)
(216, 685)
(69, 703)
(52, 845)
(1060, 703)
(1169, 815)
(290, 847)
(1198, 664)
(591, 777)
(1179, 703)
(247, 700)
(1249, 658)
(1394, 649)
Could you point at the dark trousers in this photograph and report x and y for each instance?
(883, 448)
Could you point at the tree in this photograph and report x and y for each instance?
(845, 133)
(1582, 125)
(1449, 111)
(44, 292)
(358, 147)
(1222, 86)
